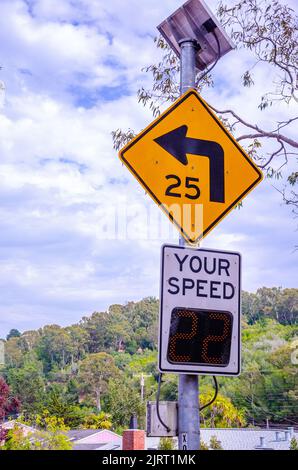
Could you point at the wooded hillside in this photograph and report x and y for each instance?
(89, 373)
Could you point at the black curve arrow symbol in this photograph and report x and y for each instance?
(177, 144)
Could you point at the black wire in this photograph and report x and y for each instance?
(215, 395)
(157, 404)
(218, 57)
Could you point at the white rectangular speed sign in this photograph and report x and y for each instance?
(200, 305)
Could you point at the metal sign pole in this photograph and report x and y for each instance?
(188, 389)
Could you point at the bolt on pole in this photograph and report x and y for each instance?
(188, 388)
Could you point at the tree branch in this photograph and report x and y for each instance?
(260, 133)
(274, 154)
(272, 135)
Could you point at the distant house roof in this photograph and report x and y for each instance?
(95, 439)
(242, 438)
(87, 447)
(250, 439)
(77, 434)
(11, 424)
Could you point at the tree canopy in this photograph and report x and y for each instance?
(89, 373)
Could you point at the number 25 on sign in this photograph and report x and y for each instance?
(191, 166)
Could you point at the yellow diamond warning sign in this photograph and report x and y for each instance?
(191, 166)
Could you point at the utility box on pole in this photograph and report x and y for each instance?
(168, 412)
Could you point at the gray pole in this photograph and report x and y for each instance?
(142, 387)
(188, 390)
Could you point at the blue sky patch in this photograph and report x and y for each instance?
(86, 98)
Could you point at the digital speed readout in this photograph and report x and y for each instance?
(200, 337)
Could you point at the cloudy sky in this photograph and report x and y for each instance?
(71, 70)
